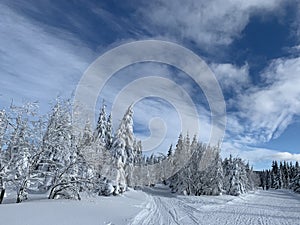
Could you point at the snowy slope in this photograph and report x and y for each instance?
(155, 206)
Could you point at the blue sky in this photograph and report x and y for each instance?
(253, 47)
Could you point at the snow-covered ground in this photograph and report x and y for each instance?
(155, 206)
(96, 210)
(262, 207)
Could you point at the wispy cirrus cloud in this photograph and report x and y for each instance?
(207, 23)
(35, 64)
(258, 114)
(268, 110)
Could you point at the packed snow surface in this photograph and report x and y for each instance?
(157, 206)
(261, 207)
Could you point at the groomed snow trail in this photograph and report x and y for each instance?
(273, 207)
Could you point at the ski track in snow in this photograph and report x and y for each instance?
(272, 207)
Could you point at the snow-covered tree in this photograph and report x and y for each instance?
(59, 159)
(170, 151)
(52, 156)
(3, 162)
(22, 148)
(87, 137)
(296, 183)
(202, 174)
(123, 148)
(286, 175)
(109, 133)
(100, 132)
(238, 177)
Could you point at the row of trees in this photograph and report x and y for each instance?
(49, 154)
(281, 175)
(206, 173)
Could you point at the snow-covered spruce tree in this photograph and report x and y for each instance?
(176, 183)
(252, 178)
(235, 182)
(170, 151)
(238, 177)
(227, 168)
(286, 175)
(123, 151)
(278, 180)
(180, 155)
(218, 176)
(296, 179)
(112, 159)
(138, 155)
(94, 161)
(269, 180)
(296, 184)
(232, 177)
(3, 127)
(87, 136)
(109, 132)
(100, 132)
(274, 175)
(295, 169)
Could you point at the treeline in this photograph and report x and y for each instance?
(49, 154)
(282, 175)
(206, 174)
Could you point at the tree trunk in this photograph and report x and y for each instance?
(2, 192)
(19, 196)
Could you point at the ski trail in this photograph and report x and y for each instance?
(273, 207)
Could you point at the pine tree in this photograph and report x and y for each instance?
(296, 179)
(217, 178)
(87, 137)
(170, 151)
(100, 132)
(278, 179)
(234, 188)
(123, 149)
(109, 132)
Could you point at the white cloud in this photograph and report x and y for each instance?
(263, 112)
(260, 158)
(270, 109)
(36, 64)
(231, 77)
(208, 23)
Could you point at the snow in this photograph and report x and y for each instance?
(96, 210)
(262, 207)
(160, 207)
